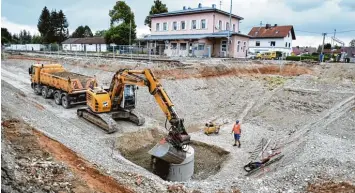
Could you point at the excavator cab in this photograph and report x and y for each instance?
(129, 97)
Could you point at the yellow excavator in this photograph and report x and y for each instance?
(119, 101)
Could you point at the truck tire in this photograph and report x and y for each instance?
(50, 93)
(66, 101)
(37, 89)
(57, 97)
(44, 92)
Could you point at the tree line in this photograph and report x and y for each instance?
(53, 27)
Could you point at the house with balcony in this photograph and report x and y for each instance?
(272, 38)
(197, 32)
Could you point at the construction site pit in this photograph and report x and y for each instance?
(134, 147)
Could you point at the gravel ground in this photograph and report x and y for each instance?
(305, 117)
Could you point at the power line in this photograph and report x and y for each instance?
(346, 31)
(309, 32)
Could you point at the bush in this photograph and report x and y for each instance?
(299, 58)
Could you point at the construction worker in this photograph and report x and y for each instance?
(237, 131)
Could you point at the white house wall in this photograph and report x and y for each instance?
(280, 45)
(26, 47)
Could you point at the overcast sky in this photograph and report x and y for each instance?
(309, 17)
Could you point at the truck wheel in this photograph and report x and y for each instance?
(37, 89)
(57, 98)
(66, 101)
(45, 92)
(50, 93)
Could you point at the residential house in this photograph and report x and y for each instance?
(272, 38)
(198, 32)
(89, 44)
(303, 50)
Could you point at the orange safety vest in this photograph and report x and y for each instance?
(236, 128)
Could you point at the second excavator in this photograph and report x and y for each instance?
(105, 106)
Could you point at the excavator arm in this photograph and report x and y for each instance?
(178, 136)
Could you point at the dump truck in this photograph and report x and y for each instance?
(54, 81)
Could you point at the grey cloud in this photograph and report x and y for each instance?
(303, 5)
(347, 4)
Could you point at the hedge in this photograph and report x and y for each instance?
(299, 58)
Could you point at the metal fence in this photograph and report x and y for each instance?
(132, 51)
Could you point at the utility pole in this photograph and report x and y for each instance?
(324, 34)
(130, 26)
(229, 27)
(220, 5)
(334, 37)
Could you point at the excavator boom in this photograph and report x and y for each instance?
(104, 106)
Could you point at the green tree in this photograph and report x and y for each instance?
(36, 39)
(44, 25)
(122, 23)
(6, 36)
(352, 43)
(82, 32)
(100, 33)
(158, 7)
(62, 27)
(15, 39)
(118, 34)
(328, 46)
(53, 33)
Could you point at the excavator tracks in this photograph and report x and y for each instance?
(107, 121)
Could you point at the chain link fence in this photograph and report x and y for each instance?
(89, 50)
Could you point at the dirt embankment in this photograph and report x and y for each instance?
(330, 187)
(220, 70)
(169, 70)
(42, 164)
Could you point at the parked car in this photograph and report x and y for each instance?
(251, 55)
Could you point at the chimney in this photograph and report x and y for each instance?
(268, 26)
(214, 6)
(275, 25)
(199, 5)
(184, 8)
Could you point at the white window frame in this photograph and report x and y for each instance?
(220, 23)
(202, 24)
(271, 44)
(227, 25)
(165, 24)
(157, 27)
(192, 24)
(171, 46)
(185, 46)
(238, 46)
(184, 25)
(256, 43)
(233, 27)
(223, 43)
(201, 44)
(173, 26)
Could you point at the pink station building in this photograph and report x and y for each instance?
(197, 32)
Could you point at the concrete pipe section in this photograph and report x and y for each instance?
(181, 164)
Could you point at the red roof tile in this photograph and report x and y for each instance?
(272, 32)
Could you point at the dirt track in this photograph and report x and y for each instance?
(309, 117)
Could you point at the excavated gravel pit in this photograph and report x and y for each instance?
(135, 146)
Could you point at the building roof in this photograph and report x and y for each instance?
(272, 31)
(89, 40)
(194, 11)
(192, 36)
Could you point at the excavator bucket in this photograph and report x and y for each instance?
(167, 152)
